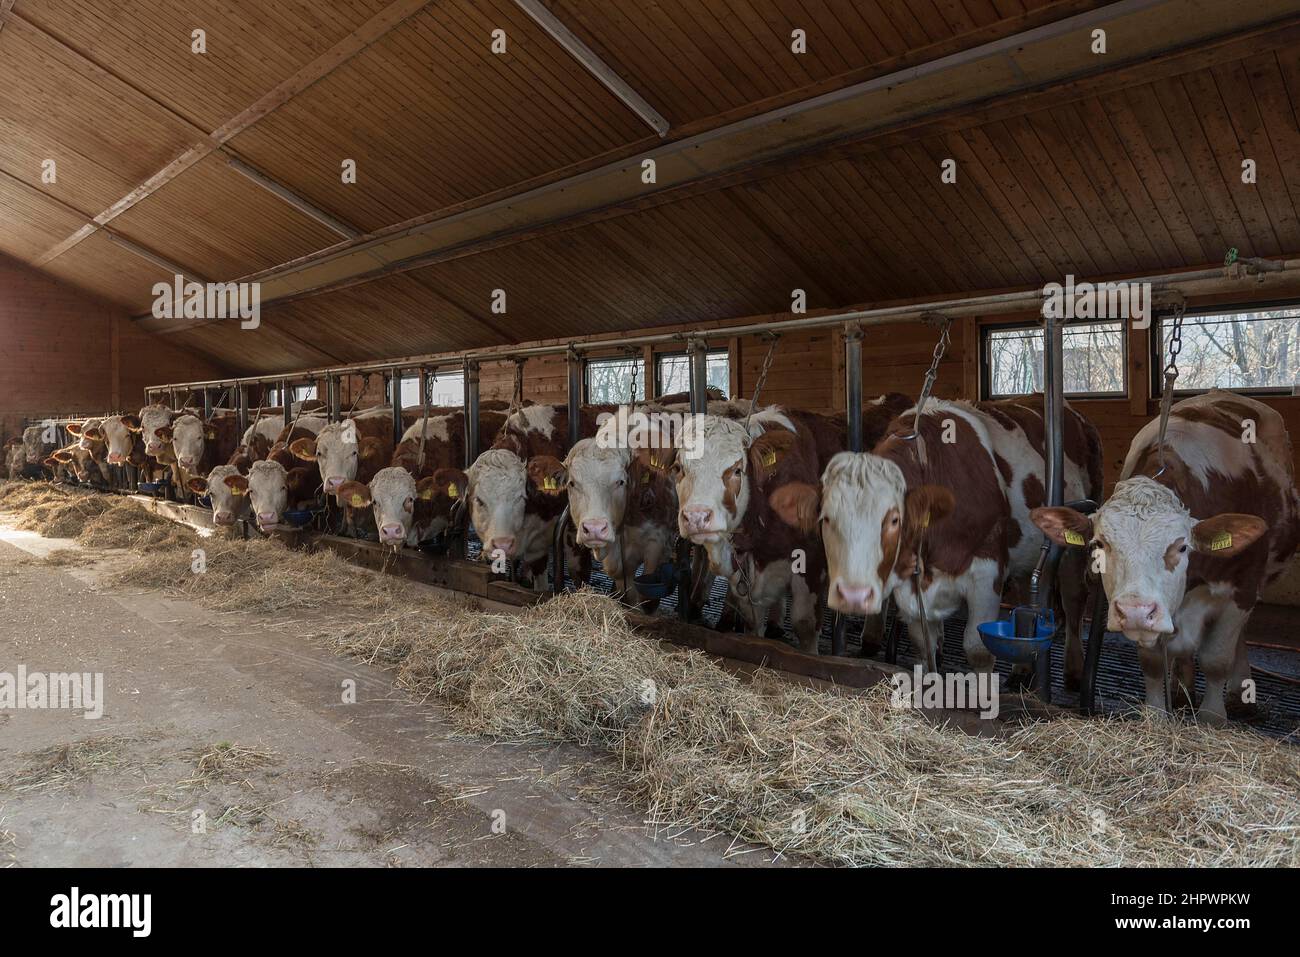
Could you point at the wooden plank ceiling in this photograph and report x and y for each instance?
(1130, 171)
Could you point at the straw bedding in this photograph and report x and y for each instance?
(837, 778)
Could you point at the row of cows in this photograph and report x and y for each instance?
(941, 513)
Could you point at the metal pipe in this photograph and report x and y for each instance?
(574, 364)
(853, 386)
(396, 380)
(286, 400)
(471, 412)
(1201, 282)
(243, 408)
(332, 398)
(698, 371)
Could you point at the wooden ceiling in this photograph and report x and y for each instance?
(1117, 172)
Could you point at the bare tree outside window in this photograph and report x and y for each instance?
(448, 389)
(610, 380)
(1092, 353)
(674, 372)
(1254, 349)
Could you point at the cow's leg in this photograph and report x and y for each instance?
(1218, 658)
(1074, 598)
(804, 614)
(983, 604)
(1237, 680)
(925, 639)
(1152, 661)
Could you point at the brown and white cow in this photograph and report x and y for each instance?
(199, 446)
(229, 501)
(271, 490)
(513, 506)
(956, 507)
(352, 450)
(1183, 554)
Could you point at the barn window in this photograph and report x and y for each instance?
(299, 392)
(447, 389)
(610, 380)
(1249, 349)
(673, 374)
(1095, 360)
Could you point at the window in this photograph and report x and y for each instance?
(1095, 360)
(447, 388)
(303, 392)
(673, 373)
(1251, 350)
(610, 380)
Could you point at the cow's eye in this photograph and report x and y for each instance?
(893, 522)
(408, 504)
(479, 503)
(620, 483)
(676, 468)
(1182, 548)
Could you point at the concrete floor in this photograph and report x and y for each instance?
(382, 782)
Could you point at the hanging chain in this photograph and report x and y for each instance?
(427, 382)
(631, 392)
(518, 402)
(1170, 377)
(775, 337)
(931, 374)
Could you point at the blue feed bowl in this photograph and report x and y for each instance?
(298, 517)
(1000, 637)
(205, 501)
(149, 488)
(659, 583)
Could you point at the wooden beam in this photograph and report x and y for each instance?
(369, 32)
(258, 178)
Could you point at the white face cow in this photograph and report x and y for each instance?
(1141, 542)
(228, 501)
(392, 493)
(151, 419)
(498, 485)
(597, 484)
(268, 492)
(188, 439)
(337, 454)
(119, 437)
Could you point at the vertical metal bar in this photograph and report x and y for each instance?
(574, 362)
(396, 379)
(1054, 458)
(173, 395)
(286, 400)
(207, 404)
(471, 412)
(853, 386)
(425, 398)
(243, 407)
(697, 360)
(332, 397)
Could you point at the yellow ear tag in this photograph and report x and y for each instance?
(656, 462)
(1073, 538)
(645, 478)
(357, 501)
(426, 494)
(453, 491)
(1221, 541)
(211, 433)
(236, 490)
(925, 522)
(548, 484)
(769, 458)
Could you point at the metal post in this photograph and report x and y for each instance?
(242, 400)
(396, 379)
(207, 404)
(471, 412)
(332, 398)
(574, 363)
(853, 386)
(286, 400)
(690, 558)
(697, 357)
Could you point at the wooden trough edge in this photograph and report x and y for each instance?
(475, 578)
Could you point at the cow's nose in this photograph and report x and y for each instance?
(1141, 615)
(596, 529)
(224, 518)
(116, 458)
(333, 482)
(506, 544)
(392, 533)
(855, 597)
(267, 518)
(697, 517)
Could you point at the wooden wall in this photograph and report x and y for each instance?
(64, 353)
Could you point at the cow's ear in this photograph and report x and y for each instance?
(238, 484)
(304, 449)
(73, 428)
(658, 459)
(94, 433)
(547, 474)
(426, 487)
(798, 504)
(164, 432)
(198, 486)
(927, 504)
(1064, 526)
(370, 447)
(1228, 534)
(132, 422)
(354, 493)
(62, 455)
(767, 451)
(457, 482)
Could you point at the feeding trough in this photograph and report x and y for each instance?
(659, 583)
(1001, 639)
(152, 488)
(298, 517)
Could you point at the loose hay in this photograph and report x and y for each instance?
(838, 778)
(94, 520)
(61, 766)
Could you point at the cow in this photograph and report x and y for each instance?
(229, 501)
(938, 513)
(15, 458)
(199, 446)
(354, 449)
(272, 490)
(36, 443)
(1184, 550)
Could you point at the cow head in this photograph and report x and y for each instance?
(597, 481)
(229, 500)
(498, 493)
(338, 451)
(189, 437)
(871, 525)
(392, 493)
(268, 492)
(1141, 542)
(151, 422)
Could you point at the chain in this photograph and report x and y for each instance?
(762, 375)
(1170, 377)
(631, 392)
(931, 374)
(519, 386)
